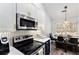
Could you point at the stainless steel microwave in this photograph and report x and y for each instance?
(24, 22)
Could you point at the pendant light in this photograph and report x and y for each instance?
(66, 23)
(65, 11)
(67, 27)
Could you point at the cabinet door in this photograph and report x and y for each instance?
(22, 8)
(27, 9)
(41, 51)
(7, 16)
(47, 47)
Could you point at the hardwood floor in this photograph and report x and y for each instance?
(57, 51)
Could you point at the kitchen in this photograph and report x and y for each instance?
(39, 29)
(36, 29)
(24, 25)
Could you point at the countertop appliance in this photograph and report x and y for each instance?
(24, 22)
(4, 46)
(27, 45)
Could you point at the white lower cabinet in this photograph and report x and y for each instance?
(39, 51)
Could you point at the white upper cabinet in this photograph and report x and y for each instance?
(27, 9)
(22, 8)
(7, 17)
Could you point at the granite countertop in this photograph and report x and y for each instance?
(42, 39)
(14, 51)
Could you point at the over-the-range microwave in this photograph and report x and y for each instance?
(24, 22)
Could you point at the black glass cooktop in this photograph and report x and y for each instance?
(27, 47)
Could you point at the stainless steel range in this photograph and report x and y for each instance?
(27, 45)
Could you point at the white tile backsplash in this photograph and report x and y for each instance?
(10, 35)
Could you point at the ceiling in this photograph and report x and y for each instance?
(54, 10)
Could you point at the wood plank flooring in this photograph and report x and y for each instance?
(57, 51)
